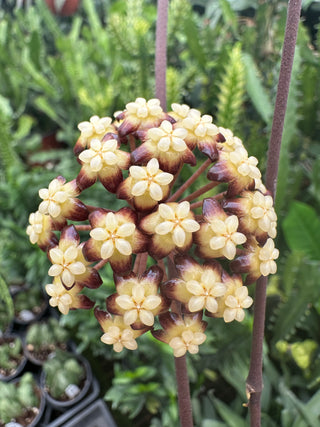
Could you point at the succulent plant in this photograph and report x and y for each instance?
(16, 398)
(61, 371)
(10, 355)
(44, 337)
(30, 300)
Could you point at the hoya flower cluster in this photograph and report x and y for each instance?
(204, 247)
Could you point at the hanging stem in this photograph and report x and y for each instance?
(100, 264)
(190, 181)
(83, 227)
(254, 380)
(201, 191)
(161, 52)
(132, 143)
(184, 401)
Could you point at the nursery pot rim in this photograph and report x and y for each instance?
(56, 404)
(42, 403)
(22, 364)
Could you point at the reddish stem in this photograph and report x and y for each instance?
(254, 380)
(161, 52)
(100, 264)
(200, 191)
(190, 181)
(82, 227)
(184, 401)
(163, 268)
(132, 143)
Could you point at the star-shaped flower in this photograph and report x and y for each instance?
(236, 168)
(201, 133)
(146, 185)
(218, 235)
(167, 144)
(231, 305)
(66, 299)
(105, 161)
(60, 202)
(141, 115)
(181, 333)
(68, 262)
(115, 237)
(256, 212)
(40, 231)
(257, 260)
(172, 226)
(96, 127)
(198, 286)
(137, 298)
(116, 332)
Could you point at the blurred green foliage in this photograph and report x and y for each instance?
(224, 59)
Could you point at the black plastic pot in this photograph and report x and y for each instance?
(63, 404)
(36, 420)
(27, 316)
(20, 367)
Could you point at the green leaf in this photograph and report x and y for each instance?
(228, 415)
(302, 230)
(256, 90)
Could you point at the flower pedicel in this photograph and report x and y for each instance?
(138, 157)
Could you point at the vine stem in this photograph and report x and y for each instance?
(190, 181)
(161, 51)
(82, 227)
(184, 399)
(100, 264)
(254, 380)
(200, 191)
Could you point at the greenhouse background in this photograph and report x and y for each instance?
(223, 58)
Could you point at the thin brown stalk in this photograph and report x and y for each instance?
(161, 264)
(100, 264)
(200, 191)
(184, 402)
(190, 181)
(132, 143)
(254, 380)
(161, 52)
(82, 227)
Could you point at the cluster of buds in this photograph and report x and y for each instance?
(138, 158)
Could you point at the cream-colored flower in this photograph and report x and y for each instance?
(231, 142)
(267, 254)
(174, 220)
(236, 303)
(66, 299)
(188, 341)
(66, 264)
(143, 110)
(258, 185)
(150, 180)
(138, 306)
(264, 213)
(226, 237)
(95, 128)
(101, 154)
(60, 296)
(167, 138)
(246, 166)
(53, 197)
(114, 236)
(39, 229)
(199, 126)
(119, 338)
(205, 291)
(179, 111)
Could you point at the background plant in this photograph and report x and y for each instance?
(200, 46)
